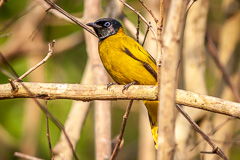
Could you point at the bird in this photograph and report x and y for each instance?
(127, 62)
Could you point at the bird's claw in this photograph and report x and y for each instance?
(110, 84)
(126, 86)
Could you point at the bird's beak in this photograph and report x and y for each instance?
(94, 25)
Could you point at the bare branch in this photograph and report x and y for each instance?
(6, 63)
(48, 134)
(59, 9)
(100, 92)
(5, 35)
(24, 156)
(132, 28)
(216, 149)
(102, 109)
(51, 47)
(149, 10)
(159, 43)
(190, 3)
(124, 122)
(168, 81)
(144, 20)
(145, 36)
(56, 122)
(138, 28)
(14, 88)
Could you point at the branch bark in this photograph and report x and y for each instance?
(102, 109)
(99, 92)
(168, 81)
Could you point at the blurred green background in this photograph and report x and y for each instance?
(67, 67)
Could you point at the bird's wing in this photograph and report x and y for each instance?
(137, 52)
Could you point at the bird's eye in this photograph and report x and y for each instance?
(107, 24)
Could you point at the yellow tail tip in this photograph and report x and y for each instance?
(155, 135)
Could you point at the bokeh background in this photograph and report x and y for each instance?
(26, 29)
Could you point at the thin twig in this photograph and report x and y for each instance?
(213, 53)
(48, 134)
(6, 63)
(213, 131)
(85, 92)
(50, 51)
(5, 35)
(38, 28)
(138, 27)
(160, 24)
(25, 156)
(233, 142)
(132, 28)
(14, 88)
(15, 18)
(59, 9)
(190, 3)
(215, 148)
(149, 10)
(144, 20)
(218, 127)
(116, 149)
(7, 73)
(159, 43)
(56, 122)
(145, 36)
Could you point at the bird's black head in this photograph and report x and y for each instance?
(105, 27)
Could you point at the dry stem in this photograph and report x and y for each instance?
(100, 92)
(124, 122)
(144, 20)
(138, 28)
(48, 134)
(102, 109)
(216, 149)
(24, 156)
(56, 122)
(190, 3)
(51, 47)
(168, 82)
(59, 9)
(150, 11)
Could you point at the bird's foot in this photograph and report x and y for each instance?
(126, 86)
(110, 84)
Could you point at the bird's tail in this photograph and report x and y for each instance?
(152, 107)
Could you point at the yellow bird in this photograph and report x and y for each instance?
(126, 61)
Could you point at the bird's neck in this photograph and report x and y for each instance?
(120, 31)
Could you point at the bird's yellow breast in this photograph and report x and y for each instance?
(122, 67)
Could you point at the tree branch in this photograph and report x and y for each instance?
(124, 122)
(50, 51)
(59, 9)
(99, 92)
(216, 149)
(143, 19)
(168, 79)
